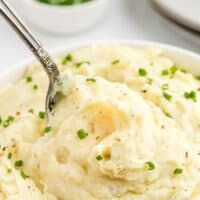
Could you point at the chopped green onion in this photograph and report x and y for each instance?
(142, 72)
(19, 163)
(42, 115)
(47, 129)
(67, 58)
(31, 110)
(81, 63)
(29, 79)
(115, 62)
(23, 175)
(7, 122)
(82, 134)
(191, 95)
(150, 165)
(9, 170)
(165, 72)
(165, 86)
(91, 80)
(35, 86)
(167, 96)
(178, 171)
(9, 156)
(149, 81)
(1, 120)
(173, 69)
(183, 71)
(99, 157)
(197, 77)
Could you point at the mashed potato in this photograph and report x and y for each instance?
(128, 128)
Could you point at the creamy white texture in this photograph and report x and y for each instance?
(127, 128)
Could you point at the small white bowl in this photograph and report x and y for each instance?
(62, 19)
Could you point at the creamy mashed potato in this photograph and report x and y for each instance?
(127, 128)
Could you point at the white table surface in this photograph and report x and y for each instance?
(129, 19)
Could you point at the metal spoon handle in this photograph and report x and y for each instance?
(35, 46)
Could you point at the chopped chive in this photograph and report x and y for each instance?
(23, 175)
(67, 58)
(9, 170)
(168, 114)
(81, 63)
(173, 69)
(10, 118)
(41, 115)
(149, 81)
(31, 110)
(178, 171)
(165, 86)
(165, 72)
(29, 79)
(7, 122)
(183, 71)
(191, 95)
(1, 120)
(99, 157)
(114, 62)
(142, 72)
(167, 96)
(35, 86)
(82, 134)
(150, 165)
(197, 77)
(19, 163)
(9, 156)
(91, 80)
(47, 129)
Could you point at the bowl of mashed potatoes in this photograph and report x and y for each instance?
(126, 128)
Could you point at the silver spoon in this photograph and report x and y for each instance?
(42, 55)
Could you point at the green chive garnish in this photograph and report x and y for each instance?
(19, 163)
(67, 58)
(114, 62)
(167, 96)
(165, 72)
(99, 157)
(82, 134)
(23, 175)
(29, 79)
(81, 63)
(191, 95)
(178, 171)
(142, 72)
(93, 80)
(41, 115)
(47, 129)
(9, 156)
(150, 165)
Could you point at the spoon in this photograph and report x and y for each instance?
(41, 54)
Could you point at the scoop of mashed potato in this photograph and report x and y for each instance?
(127, 127)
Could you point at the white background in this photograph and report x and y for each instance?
(129, 19)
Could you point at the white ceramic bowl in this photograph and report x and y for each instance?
(62, 19)
(186, 59)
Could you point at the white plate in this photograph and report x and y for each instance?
(186, 59)
(185, 12)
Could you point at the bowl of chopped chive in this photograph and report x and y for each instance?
(62, 16)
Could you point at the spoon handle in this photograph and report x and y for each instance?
(34, 45)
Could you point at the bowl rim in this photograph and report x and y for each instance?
(55, 52)
(57, 8)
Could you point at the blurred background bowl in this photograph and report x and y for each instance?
(62, 19)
